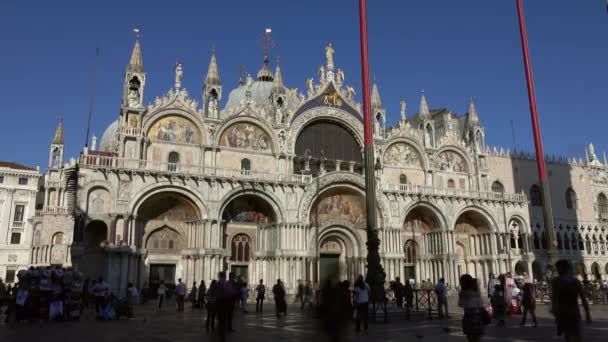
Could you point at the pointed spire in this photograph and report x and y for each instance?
(376, 102)
(473, 117)
(136, 63)
(278, 80)
(424, 113)
(213, 75)
(58, 137)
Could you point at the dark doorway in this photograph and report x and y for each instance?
(240, 271)
(161, 272)
(329, 266)
(410, 273)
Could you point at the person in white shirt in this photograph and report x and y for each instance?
(180, 291)
(162, 292)
(132, 294)
(100, 292)
(361, 296)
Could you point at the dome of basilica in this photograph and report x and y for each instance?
(109, 140)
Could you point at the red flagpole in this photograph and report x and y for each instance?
(367, 109)
(540, 155)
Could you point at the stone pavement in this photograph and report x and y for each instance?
(150, 325)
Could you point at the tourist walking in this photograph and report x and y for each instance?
(132, 294)
(361, 292)
(492, 282)
(279, 298)
(193, 294)
(308, 293)
(260, 291)
(180, 292)
(211, 298)
(300, 294)
(202, 291)
(234, 294)
(441, 290)
(469, 299)
(499, 305)
(100, 292)
(3, 294)
(244, 294)
(162, 293)
(565, 292)
(408, 293)
(529, 303)
(397, 288)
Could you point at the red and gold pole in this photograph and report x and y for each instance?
(375, 272)
(540, 155)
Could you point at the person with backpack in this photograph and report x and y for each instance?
(260, 291)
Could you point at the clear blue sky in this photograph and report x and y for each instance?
(452, 49)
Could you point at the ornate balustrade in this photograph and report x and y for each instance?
(103, 162)
(53, 211)
(130, 130)
(441, 192)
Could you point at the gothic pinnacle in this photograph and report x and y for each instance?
(58, 137)
(376, 102)
(213, 75)
(473, 117)
(278, 79)
(136, 62)
(425, 113)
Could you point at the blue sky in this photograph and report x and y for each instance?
(451, 49)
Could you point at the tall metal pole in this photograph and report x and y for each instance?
(540, 156)
(375, 272)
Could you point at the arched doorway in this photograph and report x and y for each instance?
(596, 271)
(421, 224)
(95, 240)
(242, 216)
(337, 256)
(411, 258)
(165, 219)
(472, 230)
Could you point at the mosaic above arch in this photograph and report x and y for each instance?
(451, 161)
(175, 129)
(402, 155)
(348, 207)
(246, 136)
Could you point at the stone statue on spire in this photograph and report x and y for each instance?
(178, 75)
(329, 55)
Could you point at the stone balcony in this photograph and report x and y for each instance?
(133, 131)
(184, 170)
(52, 211)
(18, 224)
(453, 193)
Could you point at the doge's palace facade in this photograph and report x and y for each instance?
(271, 186)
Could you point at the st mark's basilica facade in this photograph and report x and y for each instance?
(270, 185)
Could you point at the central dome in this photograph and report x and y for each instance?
(261, 94)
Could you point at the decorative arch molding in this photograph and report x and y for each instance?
(519, 217)
(329, 180)
(90, 186)
(340, 231)
(479, 210)
(253, 120)
(269, 197)
(427, 205)
(148, 233)
(461, 151)
(408, 141)
(143, 194)
(335, 115)
(151, 118)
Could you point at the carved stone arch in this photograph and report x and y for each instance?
(95, 204)
(408, 141)
(88, 186)
(151, 118)
(479, 210)
(195, 197)
(335, 115)
(317, 186)
(525, 227)
(269, 197)
(461, 151)
(443, 222)
(250, 120)
(343, 231)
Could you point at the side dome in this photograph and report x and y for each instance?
(261, 92)
(109, 138)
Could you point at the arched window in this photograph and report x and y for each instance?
(536, 198)
(602, 206)
(245, 165)
(173, 161)
(411, 251)
(57, 239)
(570, 199)
(240, 248)
(498, 187)
(451, 184)
(403, 179)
